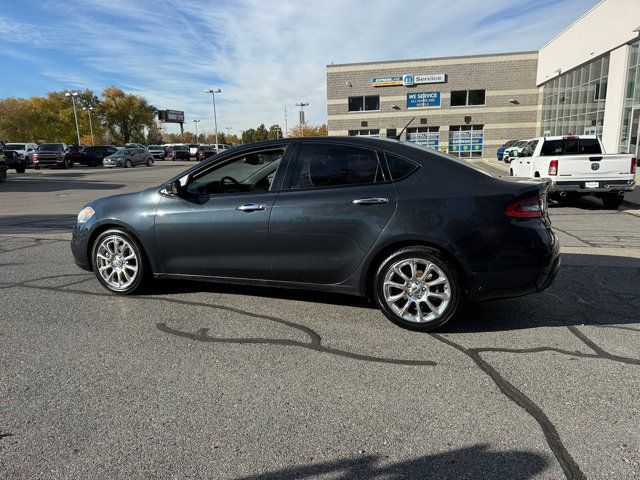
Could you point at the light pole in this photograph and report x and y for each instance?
(73, 96)
(89, 110)
(302, 122)
(196, 122)
(215, 119)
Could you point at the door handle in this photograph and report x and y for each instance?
(251, 207)
(369, 201)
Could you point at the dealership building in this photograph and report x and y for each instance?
(584, 81)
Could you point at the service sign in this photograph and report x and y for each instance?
(387, 81)
(423, 100)
(433, 78)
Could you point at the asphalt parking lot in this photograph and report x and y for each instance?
(211, 381)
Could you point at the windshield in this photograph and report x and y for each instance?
(155, 147)
(51, 147)
(14, 146)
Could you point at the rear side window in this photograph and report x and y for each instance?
(399, 167)
(565, 146)
(334, 165)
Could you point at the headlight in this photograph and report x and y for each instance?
(85, 214)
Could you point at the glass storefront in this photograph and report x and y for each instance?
(573, 103)
(426, 136)
(466, 140)
(631, 111)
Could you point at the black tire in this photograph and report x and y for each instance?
(612, 201)
(150, 162)
(511, 172)
(142, 279)
(128, 164)
(65, 163)
(20, 169)
(3, 175)
(456, 291)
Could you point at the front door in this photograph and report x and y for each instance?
(220, 225)
(338, 202)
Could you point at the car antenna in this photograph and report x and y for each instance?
(397, 137)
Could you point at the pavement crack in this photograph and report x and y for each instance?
(600, 353)
(569, 466)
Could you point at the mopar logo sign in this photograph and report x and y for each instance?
(595, 166)
(407, 80)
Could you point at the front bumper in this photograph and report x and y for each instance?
(111, 164)
(604, 186)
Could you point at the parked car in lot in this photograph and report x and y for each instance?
(577, 165)
(156, 151)
(75, 152)
(134, 145)
(338, 214)
(23, 150)
(180, 152)
(511, 152)
(128, 158)
(51, 155)
(93, 156)
(501, 149)
(205, 151)
(3, 165)
(193, 149)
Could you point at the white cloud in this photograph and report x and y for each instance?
(268, 54)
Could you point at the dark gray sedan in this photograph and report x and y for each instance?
(418, 232)
(129, 157)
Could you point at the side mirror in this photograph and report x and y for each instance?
(176, 188)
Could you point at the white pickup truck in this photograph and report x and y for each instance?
(577, 165)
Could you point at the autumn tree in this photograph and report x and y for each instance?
(125, 115)
(308, 131)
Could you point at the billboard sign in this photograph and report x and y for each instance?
(171, 116)
(423, 100)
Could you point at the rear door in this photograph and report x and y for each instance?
(338, 201)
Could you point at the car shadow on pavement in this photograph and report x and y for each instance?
(34, 224)
(478, 461)
(589, 290)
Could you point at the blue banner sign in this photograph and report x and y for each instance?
(423, 100)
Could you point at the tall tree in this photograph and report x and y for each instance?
(275, 132)
(126, 115)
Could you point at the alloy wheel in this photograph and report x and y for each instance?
(416, 290)
(117, 262)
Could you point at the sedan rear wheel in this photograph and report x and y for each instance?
(118, 262)
(150, 162)
(418, 289)
(128, 164)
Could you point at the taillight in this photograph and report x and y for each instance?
(527, 207)
(634, 162)
(553, 167)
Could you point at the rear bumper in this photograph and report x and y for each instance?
(603, 186)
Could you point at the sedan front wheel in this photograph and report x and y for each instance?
(118, 262)
(418, 289)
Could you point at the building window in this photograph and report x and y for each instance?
(573, 103)
(463, 98)
(391, 132)
(425, 136)
(629, 134)
(466, 140)
(372, 132)
(364, 103)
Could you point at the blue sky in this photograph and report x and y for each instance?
(262, 54)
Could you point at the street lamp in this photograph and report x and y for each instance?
(89, 110)
(215, 119)
(196, 122)
(73, 96)
(302, 122)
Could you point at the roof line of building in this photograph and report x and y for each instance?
(454, 57)
(576, 21)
